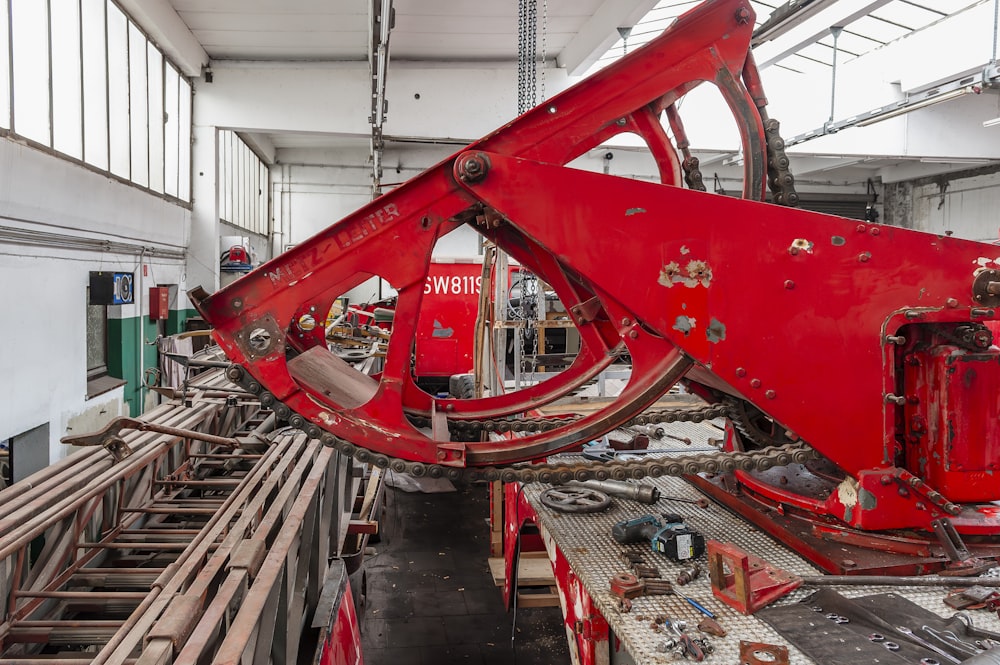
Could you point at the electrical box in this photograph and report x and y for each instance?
(111, 288)
(159, 303)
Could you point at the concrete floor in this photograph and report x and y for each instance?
(431, 598)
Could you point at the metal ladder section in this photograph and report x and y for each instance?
(184, 552)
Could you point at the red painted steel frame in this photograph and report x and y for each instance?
(394, 235)
(790, 309)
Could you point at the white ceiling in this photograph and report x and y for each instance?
(338, 29)
(577, 34)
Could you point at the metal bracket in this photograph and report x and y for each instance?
(746, 582)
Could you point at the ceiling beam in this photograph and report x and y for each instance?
(168, 31)
(813, 28)
(600, 33)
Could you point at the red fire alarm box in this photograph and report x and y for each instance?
(159, 303)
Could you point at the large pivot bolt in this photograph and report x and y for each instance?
(473, 168)
(986, 287)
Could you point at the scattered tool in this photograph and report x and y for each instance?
(701, 502)
(671, 537)
(625, 490)
(682, 439)
(686, 646)
(608, 454)
(695, 604)
(575, 500)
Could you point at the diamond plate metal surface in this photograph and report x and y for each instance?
(586, 542)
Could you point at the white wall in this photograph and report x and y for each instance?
(967, 206)
(43, 299)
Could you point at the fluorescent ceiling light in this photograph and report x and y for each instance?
(991, 123)
(906, 108)
(954, 160)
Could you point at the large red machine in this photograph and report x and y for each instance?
(859, 351)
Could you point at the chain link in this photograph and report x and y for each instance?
(527, 51)
(779, 176)
(545, 31)
(558, 472)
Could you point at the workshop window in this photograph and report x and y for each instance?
(244, 189)
(85, 82)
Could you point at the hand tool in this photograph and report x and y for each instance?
(670, 537)
(623, 489)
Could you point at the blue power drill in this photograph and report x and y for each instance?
(671, 536)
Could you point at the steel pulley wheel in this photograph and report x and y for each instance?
(575, 500)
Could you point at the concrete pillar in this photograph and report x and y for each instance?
(203, 250)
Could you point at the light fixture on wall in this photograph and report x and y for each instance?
(991, 123)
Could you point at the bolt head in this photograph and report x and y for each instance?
(860, 228)
(875, 231)
(634, 334)
(951, 302)
(741, 372)
(789, 284)
(755, 383)
(770, 394)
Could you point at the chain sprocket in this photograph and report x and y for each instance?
(552, 472)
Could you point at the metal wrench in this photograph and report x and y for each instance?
(925, 644)
(948, 638)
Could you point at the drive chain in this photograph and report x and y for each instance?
(553, 472)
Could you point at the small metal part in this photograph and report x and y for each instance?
(575, 500)
(666, 645)
(644, 571)
(759, 653)
(711, 627)
(891, 646)
(877, 637)
(929, 661)
(689, 574)
(632, 558)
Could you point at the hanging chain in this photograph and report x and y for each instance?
(527, 52)
(545, 53)
(522, 22)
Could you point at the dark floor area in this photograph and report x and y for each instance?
(431, 598)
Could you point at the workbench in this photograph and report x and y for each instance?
(594, 557)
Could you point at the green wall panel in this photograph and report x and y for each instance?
(176, 319)
(125, 339)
